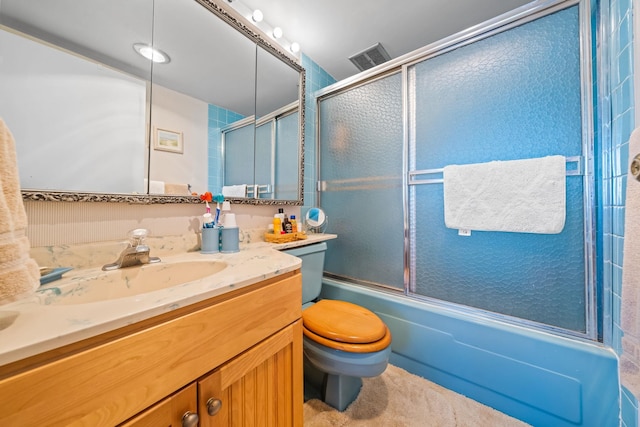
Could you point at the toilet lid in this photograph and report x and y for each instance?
(344, 322)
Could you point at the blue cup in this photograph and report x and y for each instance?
(230, 238)
(210, 240)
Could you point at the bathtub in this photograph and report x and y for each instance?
(534, 376)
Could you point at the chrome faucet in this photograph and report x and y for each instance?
(136, 253)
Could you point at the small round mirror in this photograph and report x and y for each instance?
(316, 220)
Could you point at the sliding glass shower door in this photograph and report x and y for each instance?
(515, 93)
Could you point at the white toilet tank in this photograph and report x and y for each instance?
(312, 257)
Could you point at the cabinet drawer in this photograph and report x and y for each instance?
(169, 412)
(111, 382)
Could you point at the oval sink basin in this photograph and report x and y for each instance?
(7, 318)
(126, 282)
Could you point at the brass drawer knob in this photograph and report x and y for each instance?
(190, 419)
(213, 406)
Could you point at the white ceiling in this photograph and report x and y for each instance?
(329, 31)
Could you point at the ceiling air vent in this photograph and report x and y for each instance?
(370, 57)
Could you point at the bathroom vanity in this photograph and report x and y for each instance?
(222, 354)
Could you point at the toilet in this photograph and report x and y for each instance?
(342, 342)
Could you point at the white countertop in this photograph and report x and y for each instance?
(31, 326)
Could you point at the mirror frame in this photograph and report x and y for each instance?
(146, 199)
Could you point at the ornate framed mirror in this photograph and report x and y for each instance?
(96, 121)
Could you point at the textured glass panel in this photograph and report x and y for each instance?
(238, 156)
(287, 157)
(264, 156)
(361, 167)
(514, 95)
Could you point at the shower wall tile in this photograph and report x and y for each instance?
(619, 43)
(618, 221)
(616, 155)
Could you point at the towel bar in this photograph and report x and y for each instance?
(413, 175)
(261, 189)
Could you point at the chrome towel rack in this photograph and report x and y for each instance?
(574, 167)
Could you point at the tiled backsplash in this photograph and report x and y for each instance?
(86, 235)
(97, 254)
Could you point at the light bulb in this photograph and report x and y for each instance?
(257, 15)
(277, 32)
(151, 53)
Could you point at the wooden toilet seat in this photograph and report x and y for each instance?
(345, 326)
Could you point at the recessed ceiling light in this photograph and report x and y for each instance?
(151, 53)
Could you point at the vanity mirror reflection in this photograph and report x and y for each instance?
(95, 120)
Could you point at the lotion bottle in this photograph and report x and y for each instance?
(280, 215)
(277, 225)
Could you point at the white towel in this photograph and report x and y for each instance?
(19, 274)
(630, 317)
(525, 196)
(177, 189)
(234, 190)
(156, 187)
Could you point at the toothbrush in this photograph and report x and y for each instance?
(218, 198)
(208, 222)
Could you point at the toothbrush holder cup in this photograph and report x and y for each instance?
(230, 238)
(210, 240)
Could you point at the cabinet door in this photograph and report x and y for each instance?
(176, 410)
(261, 387)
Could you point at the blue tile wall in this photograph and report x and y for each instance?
(316, 79)
(218, 118)
(614, 162)
(616, 156)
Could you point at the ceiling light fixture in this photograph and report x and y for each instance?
(257, 15)
(295, 47)
(277, 32)
(151, 53)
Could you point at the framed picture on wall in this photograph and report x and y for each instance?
(168, 140)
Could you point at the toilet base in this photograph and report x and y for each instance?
(338, 391)
(341, 390)
(325, 370)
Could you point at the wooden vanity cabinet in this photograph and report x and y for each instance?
(234, 360)
(253, 389)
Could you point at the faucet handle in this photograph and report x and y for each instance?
(137, 236)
